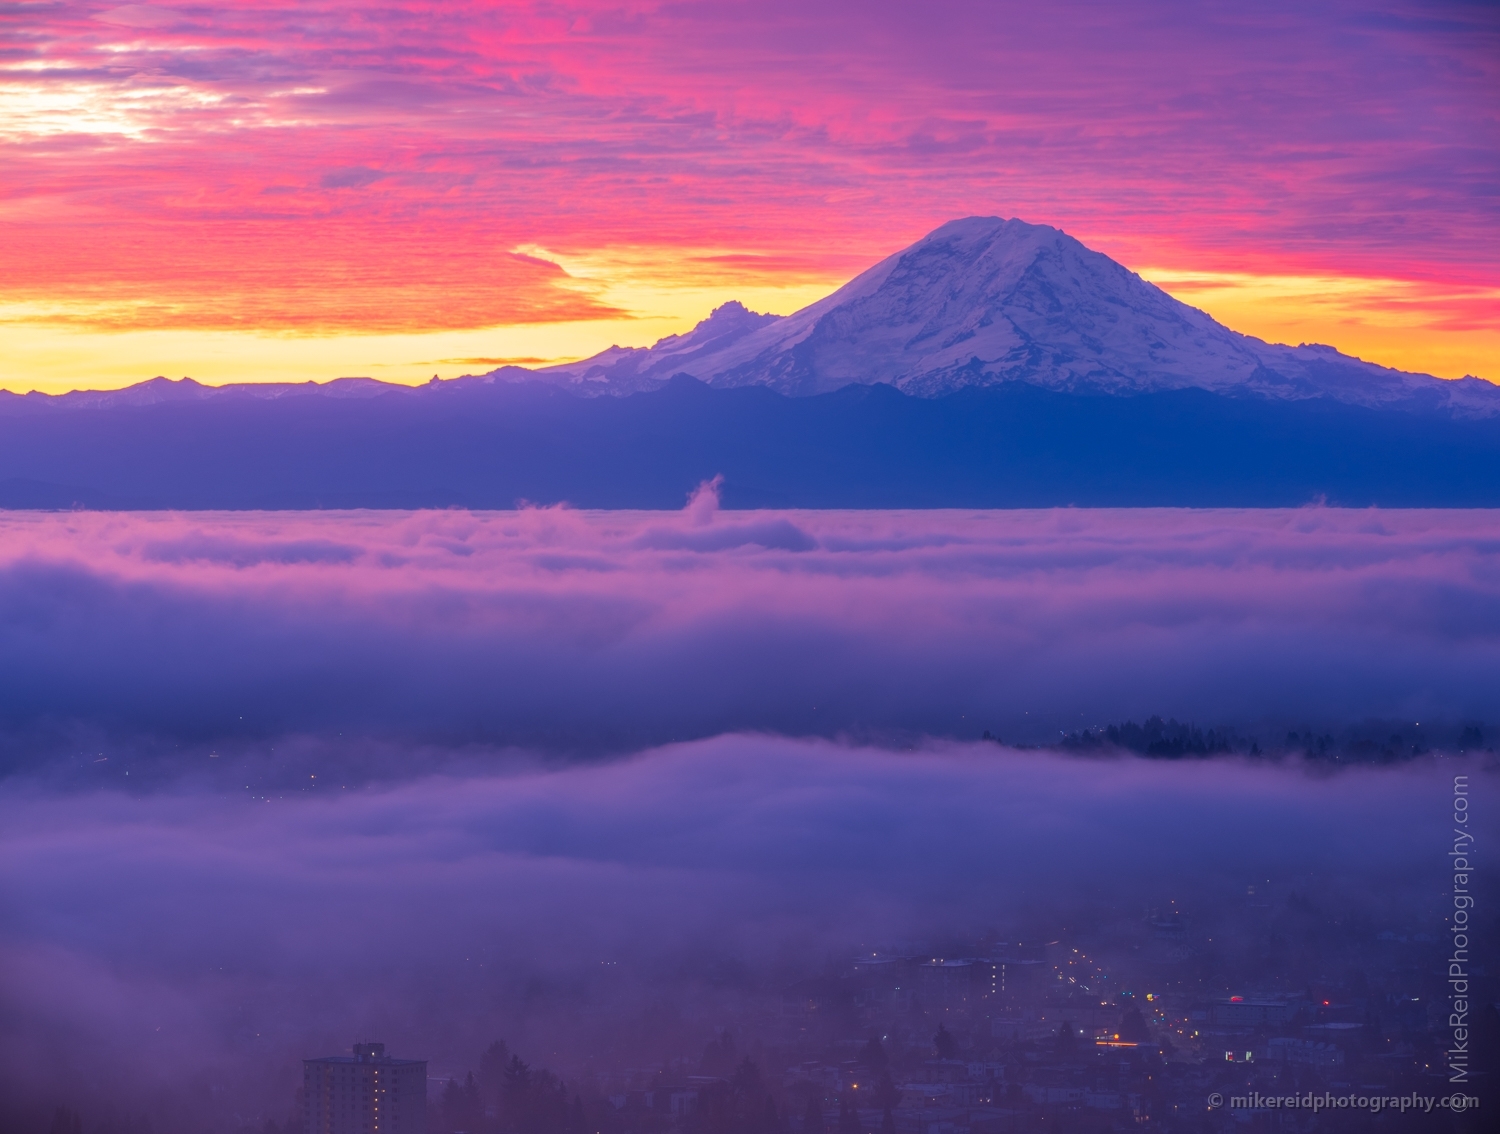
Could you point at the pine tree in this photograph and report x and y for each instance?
(746, 1077)
(515, 1095)
(450, 1105)
(492, 1072)
(848, 1117)
(1133, 1027)
(812, 1117)
(577, 1121)
(770, 1119)
(1067, 1043)
(471, 1113)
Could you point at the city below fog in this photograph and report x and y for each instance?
(1087, 817)
(1130, 1027)
(1028, 935)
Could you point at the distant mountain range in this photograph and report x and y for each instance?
(992, 364)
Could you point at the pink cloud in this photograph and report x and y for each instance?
(206, 152)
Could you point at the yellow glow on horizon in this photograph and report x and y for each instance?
(668, 283)
(1410, 325)
(52, 347)
(54, 358)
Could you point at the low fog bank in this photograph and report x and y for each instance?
(176, 953)
(83, 760)
(274, 783)
(562, 632)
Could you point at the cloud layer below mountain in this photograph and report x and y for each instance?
(574, 631)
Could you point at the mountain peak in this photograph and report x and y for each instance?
(627, 369)
(727, 321)
(986, 229)
(734, 312)
(982, 301)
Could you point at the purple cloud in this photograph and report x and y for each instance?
(575, 630)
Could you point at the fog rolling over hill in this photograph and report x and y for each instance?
(992, 364)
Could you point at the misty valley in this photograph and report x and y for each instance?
(553, 821)
(749, 567)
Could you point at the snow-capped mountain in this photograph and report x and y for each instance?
(984, 301)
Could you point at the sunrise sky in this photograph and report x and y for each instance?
(290, 191)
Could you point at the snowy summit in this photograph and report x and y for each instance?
(984, 301)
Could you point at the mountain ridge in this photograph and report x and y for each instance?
(864, 446)
(979, 302)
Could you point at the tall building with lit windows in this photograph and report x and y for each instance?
(366, 1093)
